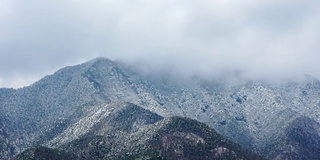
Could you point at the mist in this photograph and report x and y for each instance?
(255, 39)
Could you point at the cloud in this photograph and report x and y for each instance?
(258, 39)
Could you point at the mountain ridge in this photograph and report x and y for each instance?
(244, 112)
(131, 132)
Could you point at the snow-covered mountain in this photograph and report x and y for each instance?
(130, 132)
(260, 116)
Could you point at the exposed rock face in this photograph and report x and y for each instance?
(131, 132)
(70, 102)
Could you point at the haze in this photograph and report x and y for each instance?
(257, 39)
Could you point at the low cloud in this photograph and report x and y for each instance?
(277, 38)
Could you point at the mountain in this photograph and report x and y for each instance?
(131, 132)
(302, 141)
(257, 115)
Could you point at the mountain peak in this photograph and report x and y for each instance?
(100, 60)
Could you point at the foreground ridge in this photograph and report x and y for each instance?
(132, 132)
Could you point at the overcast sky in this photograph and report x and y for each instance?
(257, 38)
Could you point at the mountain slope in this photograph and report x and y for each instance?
(43, 153)
(131, 132)
(254, 114)
(303, 140)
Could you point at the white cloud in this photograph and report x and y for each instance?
(259, 38)
(17, 81)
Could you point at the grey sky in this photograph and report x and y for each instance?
(275, 38)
